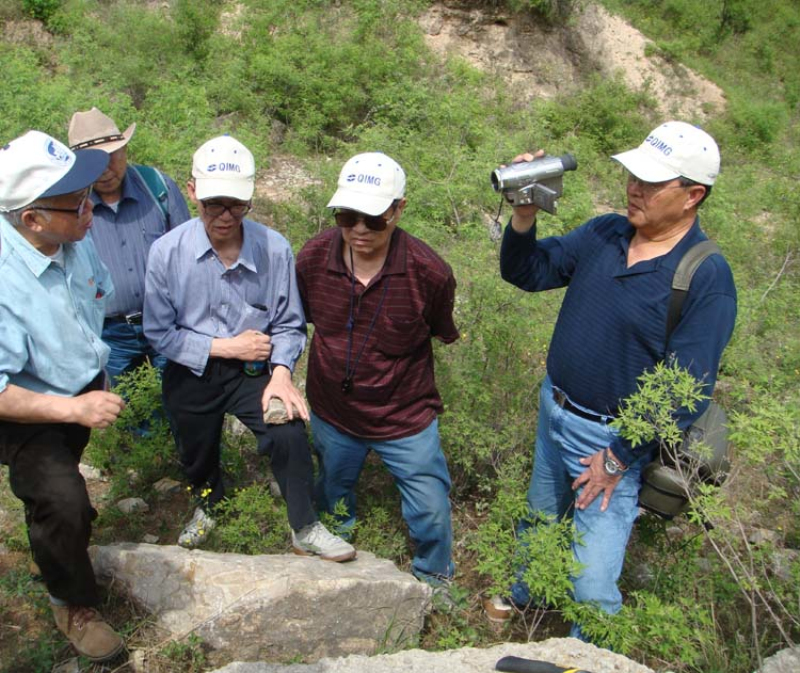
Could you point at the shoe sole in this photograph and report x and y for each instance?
(349, 556)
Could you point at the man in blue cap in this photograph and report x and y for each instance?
(51, 368)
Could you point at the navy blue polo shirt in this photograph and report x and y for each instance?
(612, 324)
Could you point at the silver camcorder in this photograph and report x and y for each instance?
(537, 182)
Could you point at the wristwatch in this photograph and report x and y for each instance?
(611, 466)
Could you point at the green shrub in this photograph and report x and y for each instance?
(251, 521)
(138, 448)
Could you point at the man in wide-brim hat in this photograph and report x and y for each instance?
(129, 215)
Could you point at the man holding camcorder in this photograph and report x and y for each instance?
(611, 328)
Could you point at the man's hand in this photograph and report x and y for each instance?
(595, 480)
(281, 386)
(524, 217)
(249, 346)
(96, 409)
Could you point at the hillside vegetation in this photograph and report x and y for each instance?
(320, 81)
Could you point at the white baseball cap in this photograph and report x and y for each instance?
(369, 183)
(36, 166)
(224, 167)
(673, 150)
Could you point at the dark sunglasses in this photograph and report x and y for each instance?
(349, 218)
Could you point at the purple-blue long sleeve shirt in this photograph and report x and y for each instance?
(191, 298)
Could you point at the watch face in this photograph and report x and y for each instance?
(610, 467)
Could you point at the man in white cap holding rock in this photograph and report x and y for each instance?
(377, 296)
(51, 368)
(222, 305)
(133, 206)
(612, 328)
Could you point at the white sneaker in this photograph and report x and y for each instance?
(316, 540)
(197, 530)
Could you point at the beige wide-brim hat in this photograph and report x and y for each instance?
(93, 129)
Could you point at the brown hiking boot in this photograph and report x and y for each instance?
(88, 632)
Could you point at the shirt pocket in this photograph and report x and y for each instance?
(255, 317)
(397, 337)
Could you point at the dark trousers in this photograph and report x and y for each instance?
(197, 406)
(43, 463)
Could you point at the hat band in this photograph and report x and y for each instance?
(97, 141)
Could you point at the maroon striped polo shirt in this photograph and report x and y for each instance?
(393, 393)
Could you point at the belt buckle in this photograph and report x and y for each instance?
(134, 318)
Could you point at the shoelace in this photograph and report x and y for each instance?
(80, 616)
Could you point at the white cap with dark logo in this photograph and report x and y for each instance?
(369, 183)
(673, 150)
(224, 167)
(36, 166)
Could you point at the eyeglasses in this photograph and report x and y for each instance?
(349, 218)
(80, 210)
(650, 189)
(216, 209)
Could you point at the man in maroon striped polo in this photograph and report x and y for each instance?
(376, 296)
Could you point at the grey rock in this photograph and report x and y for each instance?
(783, 561)
(132, 505)
(785, 661)
(150, 539)
(566, 652)
(276, 412)
(253, 608)
(166, 486)
(69, 666)
(764, 536)
(90, 472)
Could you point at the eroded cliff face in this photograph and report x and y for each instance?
(540, 60)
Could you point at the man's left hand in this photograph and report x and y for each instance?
(281, 386)
(595, 480)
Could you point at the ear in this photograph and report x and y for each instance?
(191, 191)
(694, 196)
(32, 220)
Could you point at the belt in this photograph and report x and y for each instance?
(563, 401)
(130, 318)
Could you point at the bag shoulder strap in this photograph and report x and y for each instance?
(690, 262)
(157, 188)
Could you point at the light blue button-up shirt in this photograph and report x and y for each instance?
(123, 238)
(51, 316)
(191, 298)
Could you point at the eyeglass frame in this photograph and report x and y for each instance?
(208, 204)
(375, 223)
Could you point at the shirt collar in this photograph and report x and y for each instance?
(36, 261)
(203, 247)
(670, 260)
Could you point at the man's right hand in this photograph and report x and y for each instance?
(524, 217)
(249, 346)
(96, 409)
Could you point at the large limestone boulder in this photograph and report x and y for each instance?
(275, 607)
(565, 652)
(785, 661)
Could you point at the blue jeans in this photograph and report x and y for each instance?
(420, 472)
(562, 438)
(129, 349)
